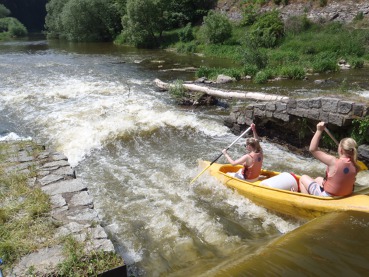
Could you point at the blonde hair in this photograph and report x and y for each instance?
(254, 143)
(349, 147)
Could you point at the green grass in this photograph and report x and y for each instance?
(26, 224)
(316, 49)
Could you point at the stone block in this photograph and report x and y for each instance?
(280, 107)
(303, 104)
(324, 116)
(241, 119)
(269, 114)
(270, 107)
(258, 112)
(313, 114)
(260, 107)
(298, 112)
(358, 109)
(329, 105)
(315, 103)
(344, 107)
(282, 116)
(249, 113)
(292, 104)
(335, 119)
(363, 151)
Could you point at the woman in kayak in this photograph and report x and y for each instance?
(252, 161)
(341, 172)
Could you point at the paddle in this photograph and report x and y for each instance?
(361, 165)
(244, 133)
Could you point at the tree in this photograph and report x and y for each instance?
(268, 30)
(4, 12)
(143, 23)
(216, 27)
(83, 20)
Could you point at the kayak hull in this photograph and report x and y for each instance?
(285, 201)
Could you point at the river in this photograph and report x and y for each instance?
(137, 151)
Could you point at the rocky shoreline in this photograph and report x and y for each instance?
(72, 208)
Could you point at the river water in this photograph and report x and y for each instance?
(137, 152)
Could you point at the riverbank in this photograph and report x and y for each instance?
(48, 222)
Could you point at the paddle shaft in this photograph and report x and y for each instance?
(244, 133)
(330, 134)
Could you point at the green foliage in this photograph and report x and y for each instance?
(16, 29)
(4, 12)
(186, 48)
(297, 24)
(323, 3)
(356, 62)
(13, 27)
(177, 90)
(249, 69)
(268, 30)
(255, 56)
(212, 73)
(21, 206)
(142, 24)
(292, 72)
(324, 62)
(82, 20)
(80, 263)
(249, 15)
(216, 28)
(186, 33)
(359, 16)
(261, 77)
(360, 131)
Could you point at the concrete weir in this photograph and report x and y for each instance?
(72, 204)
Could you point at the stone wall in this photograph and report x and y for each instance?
(293, 121)
(72, 205)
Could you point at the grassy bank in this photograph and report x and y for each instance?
(26, 225)
(266, 48)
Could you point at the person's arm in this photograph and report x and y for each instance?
(253, 127)
(241, 160)
(325, 158)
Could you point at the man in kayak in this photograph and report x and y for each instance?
(341, 172)
(252, 161)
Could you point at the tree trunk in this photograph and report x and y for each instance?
(224, 93)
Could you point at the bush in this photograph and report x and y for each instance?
(4, 12)
(12, 26)
(324, 65)
(250, 69)
(356, 62)
(292, 72)
(216, 28)
(186, 34)
(255, 56)
(268, 30)
(261, 77)
(17, 29)
(189, 47)
(297, 24)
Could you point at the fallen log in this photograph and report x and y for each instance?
(224, 93)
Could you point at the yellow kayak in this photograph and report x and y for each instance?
(285, 201)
